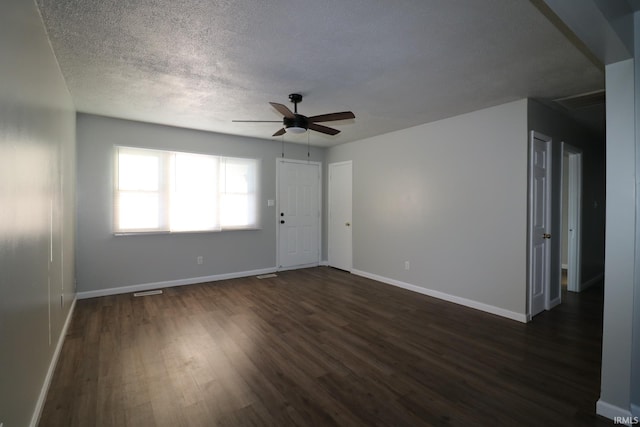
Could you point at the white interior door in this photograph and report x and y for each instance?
(298, 214)
(539, 222)
(340, 216)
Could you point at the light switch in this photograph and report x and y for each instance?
(271, 202)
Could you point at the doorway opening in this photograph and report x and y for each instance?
(571, 209)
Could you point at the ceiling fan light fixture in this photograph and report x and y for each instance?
(296, 124)
(296, 129)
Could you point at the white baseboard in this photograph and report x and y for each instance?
(35, 418)
(587, 284)
(324, 263)
(446, 297)
(171, 283)
(610, 411)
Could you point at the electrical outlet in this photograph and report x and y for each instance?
(406, 265)
(199, 260)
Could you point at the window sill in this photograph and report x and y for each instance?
(156, 233)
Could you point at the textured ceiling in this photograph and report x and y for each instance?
(202, 63)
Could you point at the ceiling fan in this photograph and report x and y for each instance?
(297, 123)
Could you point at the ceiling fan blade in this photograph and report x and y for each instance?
(323, 129)
(280, 132)
(257, 121)
(283, 109)
(344, 115)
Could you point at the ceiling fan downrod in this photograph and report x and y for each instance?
(295, 98)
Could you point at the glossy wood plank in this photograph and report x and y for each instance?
(323, 347)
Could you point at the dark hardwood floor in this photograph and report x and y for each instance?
(320, 347)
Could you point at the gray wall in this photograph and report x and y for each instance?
(106, 261)
(621, 237)
(561, 128)
(451, 198)
(37, 209)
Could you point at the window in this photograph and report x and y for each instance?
(167, 191)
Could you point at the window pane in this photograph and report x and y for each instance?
(236, 178)
(138, 210)
(190, 212)
(138, 171)
(194, 172)
(194, 200)
(238, 199)
(238, 211)
(239, 175)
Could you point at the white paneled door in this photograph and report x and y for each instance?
(539, 222)
(298, 213)
(340, 216)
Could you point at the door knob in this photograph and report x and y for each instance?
(282, 221)
(546, 236)
(348, 224)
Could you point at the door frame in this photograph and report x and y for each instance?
(279, 162)
(548, 216)
(574, 211)
(329, 199)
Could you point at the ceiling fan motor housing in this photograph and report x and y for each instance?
(298, 120)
